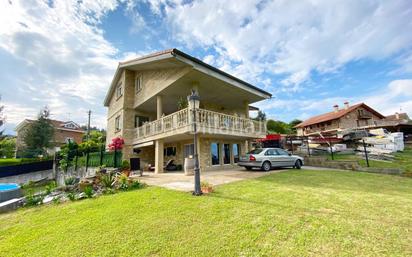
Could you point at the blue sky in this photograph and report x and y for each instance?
(309, 54)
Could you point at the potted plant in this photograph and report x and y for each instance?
(206, 187)
(126, 168)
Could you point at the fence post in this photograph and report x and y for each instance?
(307, 143)
(101, 154)
(366, 153)
(331, 150)
(75, 161)
(291, 144)
(115, 159)
(87, 159)
(67, 161)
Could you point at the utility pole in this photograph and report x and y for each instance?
(88, 125)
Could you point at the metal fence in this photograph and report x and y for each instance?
(75, 159)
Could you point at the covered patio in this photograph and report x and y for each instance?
(179, 181)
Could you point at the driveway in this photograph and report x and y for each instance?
(178, 181)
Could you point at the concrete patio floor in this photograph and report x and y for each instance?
(178, 180)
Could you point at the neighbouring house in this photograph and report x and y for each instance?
(358, 116)
(147, 107)
(64, 131)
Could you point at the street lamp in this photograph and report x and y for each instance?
(193, 101)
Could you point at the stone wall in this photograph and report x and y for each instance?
(320, 161)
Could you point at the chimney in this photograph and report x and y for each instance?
(346, 104)
(397, 115)
(336, 108)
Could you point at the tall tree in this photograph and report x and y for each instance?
(260, 116)
(39, 134)
(7, 147)
(293, 123)
(275, 126)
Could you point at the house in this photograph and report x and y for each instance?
(147, 107)
(358, 116)
(64, 131)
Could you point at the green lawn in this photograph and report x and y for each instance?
(293, 213)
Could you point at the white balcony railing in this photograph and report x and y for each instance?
(206, 121)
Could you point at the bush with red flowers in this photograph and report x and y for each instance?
(116, 144)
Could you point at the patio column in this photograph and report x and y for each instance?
(246, 103)
(159, 162)
(159, 106)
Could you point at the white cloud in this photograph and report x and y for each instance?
(395, 97)
(60, 58)
(292, 38)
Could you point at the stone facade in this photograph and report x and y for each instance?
(153, 92)
(350, 120)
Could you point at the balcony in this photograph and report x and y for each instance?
(207, 122)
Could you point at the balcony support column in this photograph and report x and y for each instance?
(159, 106)
(159, 162)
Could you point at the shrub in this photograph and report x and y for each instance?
(107, 180)
(88, 191)
(70, 181)
(56, 200)
(49, 188)
(125, 165)
(32, 199)
(136, 184)
(205, 184)
(123, 182)
(71, 196)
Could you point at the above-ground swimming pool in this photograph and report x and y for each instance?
(9, 191)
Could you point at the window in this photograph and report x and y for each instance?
(189, 150)
(170, 151)
(215, 153)
(140, 120)
(68, 140)
(282, 152)
(119, 90)
(226, 154)
(271, 152)
(256, 151)
(138, 84)
(236, 151)
(117, 126)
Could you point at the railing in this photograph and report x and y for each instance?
(165, 124)
(206, 121)
(215, 120)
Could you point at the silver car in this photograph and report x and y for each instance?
(267, 158)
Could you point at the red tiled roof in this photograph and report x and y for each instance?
(335, 115)
(60, 124)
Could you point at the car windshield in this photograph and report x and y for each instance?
(256, 151)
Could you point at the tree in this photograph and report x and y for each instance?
(7, 147)
(274, 126)
(260, 116)
(96, 136)
(39, 134)
(293, 123)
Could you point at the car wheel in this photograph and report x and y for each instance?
(298, 164)
(248, 168)
(266, 166)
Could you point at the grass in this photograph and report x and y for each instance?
(294, 213)
(403, 160)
